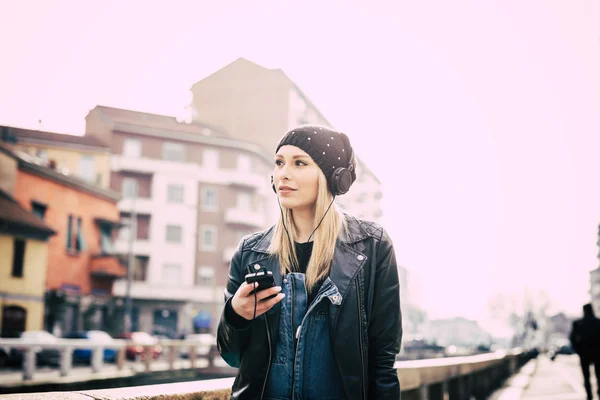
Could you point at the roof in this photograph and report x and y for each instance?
(37, 166)
(52, 138)
(158, 121)
(17, 220)
(309, 103)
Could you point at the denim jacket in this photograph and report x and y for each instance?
(365, 329)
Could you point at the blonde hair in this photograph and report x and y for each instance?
(324, 241)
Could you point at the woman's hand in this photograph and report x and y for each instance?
(243, 302)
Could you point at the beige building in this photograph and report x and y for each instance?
(254, 103)
(24, 249)
(195, 192)
(82, 156)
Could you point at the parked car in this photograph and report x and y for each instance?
(135, 350)
(204, 341)
(95, 337)
(42, 356)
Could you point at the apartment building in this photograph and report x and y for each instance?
(81, 265)
(254, 103)
(195, 193)
(82, 156)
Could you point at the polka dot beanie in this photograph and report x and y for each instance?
(330, 149)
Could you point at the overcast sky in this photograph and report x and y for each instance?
(481, 118)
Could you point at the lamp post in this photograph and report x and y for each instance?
(131, 262)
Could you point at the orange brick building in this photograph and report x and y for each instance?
(82, 264)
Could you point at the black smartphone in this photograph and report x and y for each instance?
(263, 278)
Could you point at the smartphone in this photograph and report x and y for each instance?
(265, 280)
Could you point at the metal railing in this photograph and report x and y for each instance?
(457, 378)
(171, 350)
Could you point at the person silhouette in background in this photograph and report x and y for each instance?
(585, 340)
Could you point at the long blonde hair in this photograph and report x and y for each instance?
(325, 237)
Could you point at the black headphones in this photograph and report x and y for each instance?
(342, 178)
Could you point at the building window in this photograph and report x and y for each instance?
(18, 258)
(140, 273)
(171, 274)
(173, 151)
(106, 243)
(70, 233)
(209, 199)
(87, 167)
(129, 187)
(79, 241)
(243, 163)
(39, 209)
(208, 238)
(175, 193)
(75, 240)
(244, 201)
(132, 148)
(206, 276)
(211, 159)
(125, 230)
(174, 233)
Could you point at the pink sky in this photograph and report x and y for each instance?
(481, 118)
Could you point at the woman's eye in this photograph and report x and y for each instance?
(278, 162)
(299, 163)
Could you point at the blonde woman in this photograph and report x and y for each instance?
(330, 326)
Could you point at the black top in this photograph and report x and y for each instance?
(303, 251)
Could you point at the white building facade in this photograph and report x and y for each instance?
(196, 193)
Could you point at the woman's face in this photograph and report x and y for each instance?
(296, 178)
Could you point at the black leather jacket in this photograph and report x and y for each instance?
(366, 330)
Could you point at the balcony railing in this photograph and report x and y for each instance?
(247, 179)
(140, 247)
(243, 217)
(163, 355)
(158, 291)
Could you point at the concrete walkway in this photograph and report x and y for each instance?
(543, 379)
(558, 380)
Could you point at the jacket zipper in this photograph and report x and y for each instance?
(270, 355)
(293, 336)
(362, 366)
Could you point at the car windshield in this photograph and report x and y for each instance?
(39, 336)
(99, 337)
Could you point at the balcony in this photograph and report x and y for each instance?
(247, 179)
(106, 265)
(148, 165)
(243, 217)
(140, 247)
(159, 291)
(142, 205)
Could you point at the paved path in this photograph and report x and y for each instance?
(558, 380)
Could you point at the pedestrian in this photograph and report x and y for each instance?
(333, 329)
(585, 340)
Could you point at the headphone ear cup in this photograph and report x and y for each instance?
(341, 182)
